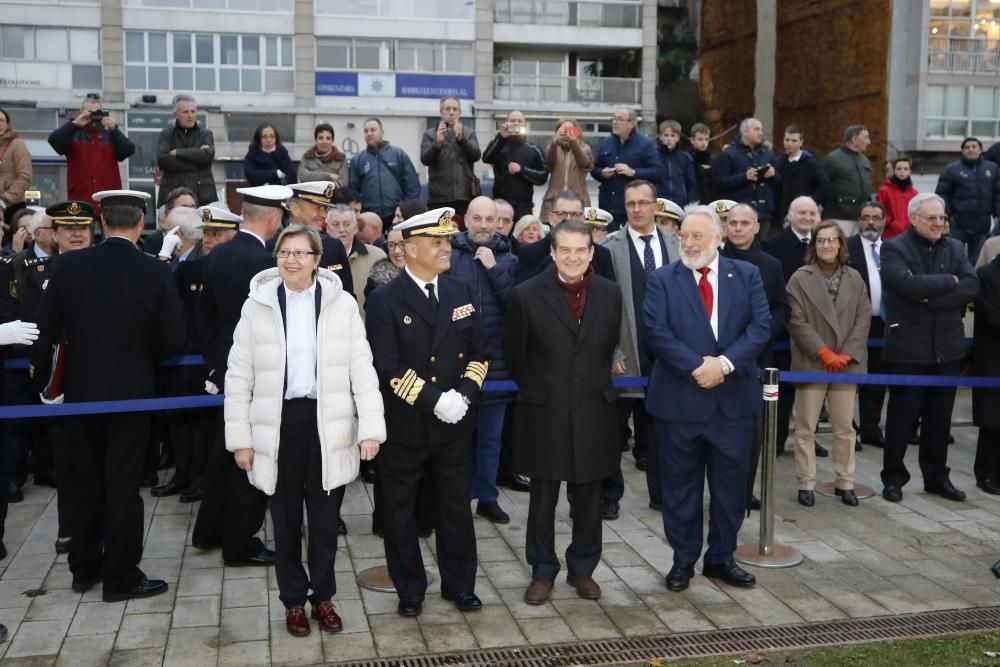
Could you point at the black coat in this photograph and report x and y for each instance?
(805, 177)
(225, 286)
(773, 277)
(519, 188)
(565, 425)
(534, 258)
(420, 354)
(188, 279)
(261, 168)
(786, 247)
(119, 314)
(190, 165)
(986, 349)
(924, 305)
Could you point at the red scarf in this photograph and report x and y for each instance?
(576, 293)
(326, 159)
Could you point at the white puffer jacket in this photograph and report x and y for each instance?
(349, 405)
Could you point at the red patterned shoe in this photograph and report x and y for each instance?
(296, 621)
(328, 619)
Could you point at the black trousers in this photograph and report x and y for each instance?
(61, 439)
(584, 552)
(933, 407)
(191, 433)
(232, 510)
(782, 360)
(400, 469)
(987, 465)
(106, 459)
(300, 479)
(613, 487)
(871, 397)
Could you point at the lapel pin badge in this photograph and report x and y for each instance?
(407, 319)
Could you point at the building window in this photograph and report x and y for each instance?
(268, 6)
(208, 63)
(962, 111)
(394, 55)
(78, 46)
(964, 36)
(398, 9)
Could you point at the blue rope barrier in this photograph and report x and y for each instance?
(490, 386)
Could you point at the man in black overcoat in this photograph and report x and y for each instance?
(561, 335)
(232, 511)
(118, 313)
(431, 355)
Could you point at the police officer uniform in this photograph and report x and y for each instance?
(118, 314)
(334, 254)
(427, 343)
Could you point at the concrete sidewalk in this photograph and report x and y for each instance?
(923, 554)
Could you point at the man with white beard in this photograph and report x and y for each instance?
(707, 320)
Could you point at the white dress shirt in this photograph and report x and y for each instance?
(713, 280)
(874, 277)
(300, 342)
(640, 245)
(422, 284)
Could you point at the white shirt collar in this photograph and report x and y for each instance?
(247, 231)
(422, 284)
(309, 291)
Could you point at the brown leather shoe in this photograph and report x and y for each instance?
(328, 619)
(538, 592)
(585, 587)
(296, 621)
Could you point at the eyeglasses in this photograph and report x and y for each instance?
(564, 215)
(641, 203)
(297, 254)
(933, 218)
(394, 245)
(871, 218)
(828, 241)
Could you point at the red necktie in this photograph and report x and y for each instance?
(705, 289)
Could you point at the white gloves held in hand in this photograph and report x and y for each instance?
(281, 174)
(451, 407)
(211, 387)
(171, 242)
(18, 333)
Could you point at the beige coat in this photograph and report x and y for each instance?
(15, 167)
(568, 168)
(362, 259)
(817, 322)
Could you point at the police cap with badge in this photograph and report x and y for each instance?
(432, 223)
(722, 208)
(133, 198)
(315, 192)
(215, 219)
(668, 210)
(273, 196)
(597, 217)
(71, 213)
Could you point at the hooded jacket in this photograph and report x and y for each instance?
(349, 405)
(15, 167)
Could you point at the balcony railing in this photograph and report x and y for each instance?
(568, 13)
(964, 55)
(528, 88)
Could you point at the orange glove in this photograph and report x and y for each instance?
(842, 361)
(828, 357)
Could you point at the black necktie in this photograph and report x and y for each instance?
(648, 259)
(805, 242)
(430, 293)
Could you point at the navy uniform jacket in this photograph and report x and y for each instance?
(120, 316)
(225, 286)
(32, 274)
(420, 355)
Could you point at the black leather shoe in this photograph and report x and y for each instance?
(492, 512)
(873, 439)
(679, 577)
(520, 483)
(996, 569)
(84, 584)
(171, 488)
(190, 495)
(755, 503)
(640, 463)
(144, 589)
(62, 546)
(892, 493)
(464, 601)
(3, 551)
(149, 480)
(822, 452)
(946, 490)
(989, 486)
(409, 607)
(610, 510)
(45, 480)
(653, 505)
(807, 498)
(847, 496)
(262, 558)
(858, 446)
(341, 526)
(731, 573)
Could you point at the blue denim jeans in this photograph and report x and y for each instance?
(973, 241)
(489, 425)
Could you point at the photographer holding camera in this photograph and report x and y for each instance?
(93, 145)
(745, 173)
(450, 151)
(518, 165)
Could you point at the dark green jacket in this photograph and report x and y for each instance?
(850, 176)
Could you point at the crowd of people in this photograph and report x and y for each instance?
(351, 327)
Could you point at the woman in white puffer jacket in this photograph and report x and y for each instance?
(302, 408)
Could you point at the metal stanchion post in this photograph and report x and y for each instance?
(767, 553)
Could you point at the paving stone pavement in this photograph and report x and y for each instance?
(923, 554)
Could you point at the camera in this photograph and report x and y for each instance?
(98, 116)
(762, 170)
(519, 129)
(573, 132)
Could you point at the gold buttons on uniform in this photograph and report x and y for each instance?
(433, 379)
(433, 359)
(461, 355)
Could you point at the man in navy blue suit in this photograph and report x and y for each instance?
(706, 321)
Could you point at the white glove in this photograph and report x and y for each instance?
(281, 174)
(52, 401)
(211, 387)
(451, 407)
(171, 242)
(18, 333)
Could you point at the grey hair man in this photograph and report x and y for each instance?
(185, 152)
